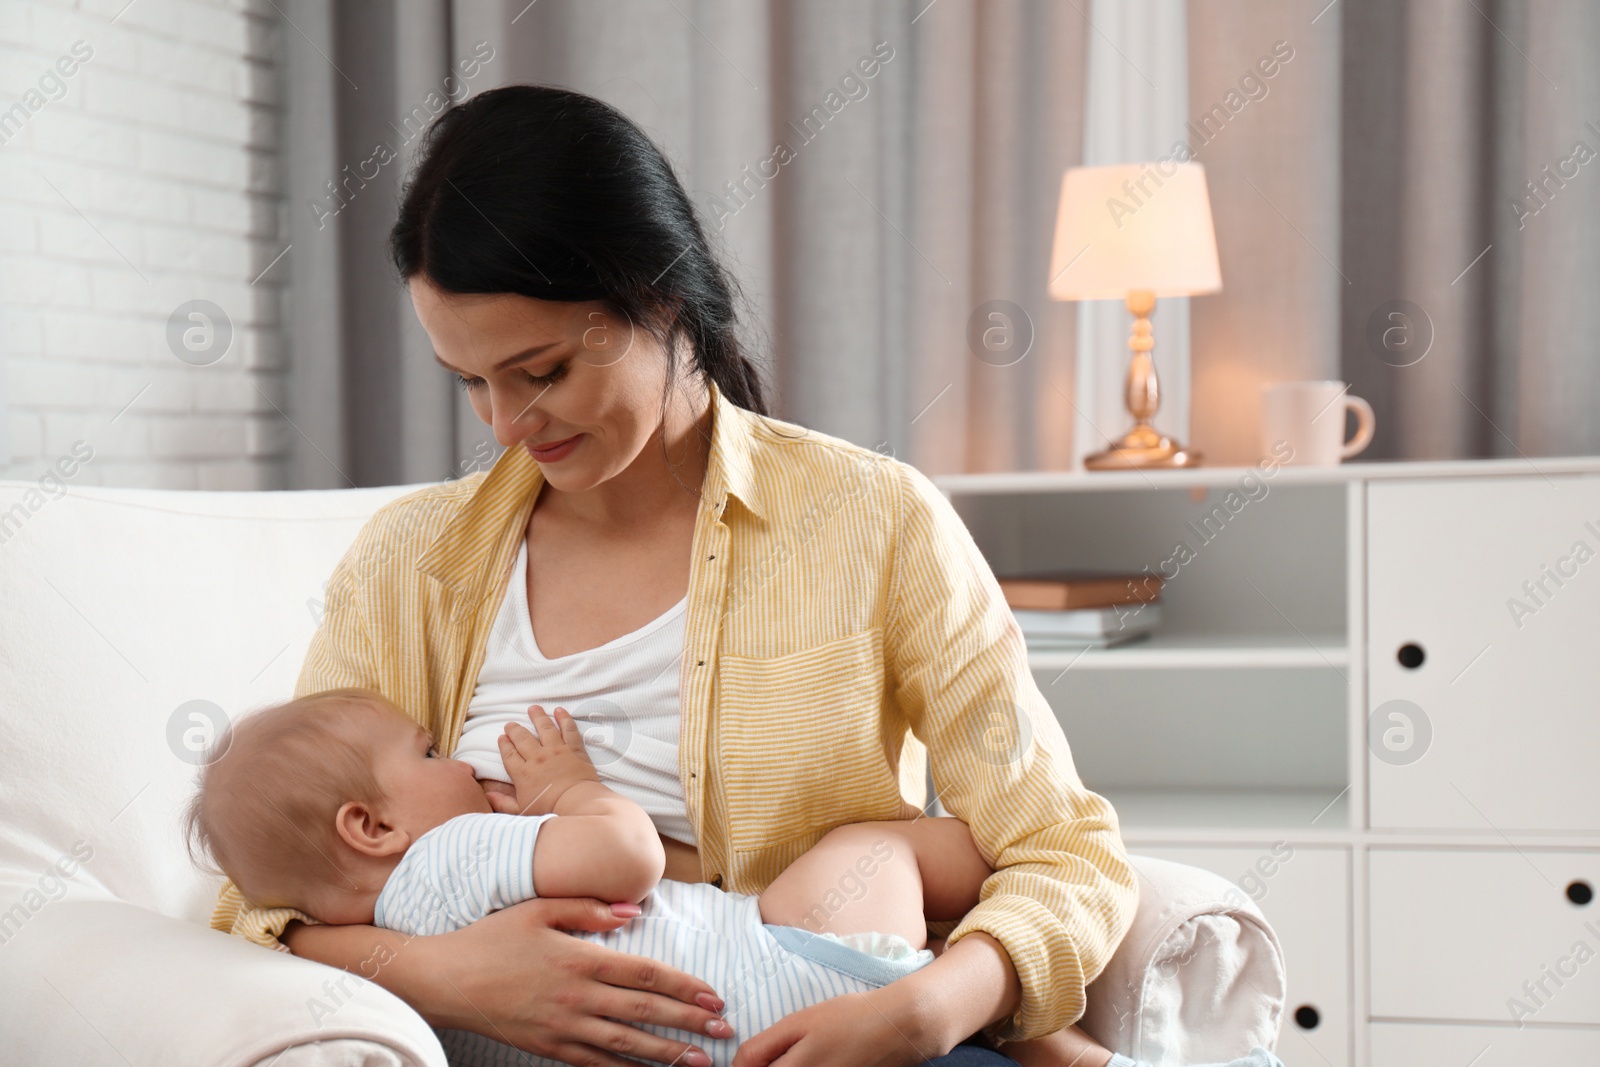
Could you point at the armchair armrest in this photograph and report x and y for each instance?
(104, 981)
(1199, 978)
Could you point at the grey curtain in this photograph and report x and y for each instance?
(367, 403)
(1376, 223)
(1471, 147)
(912, 208)
(1271, 151)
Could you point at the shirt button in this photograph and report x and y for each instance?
(717, 881)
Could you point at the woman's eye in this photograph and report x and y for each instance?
(557, 372)
(555, 375)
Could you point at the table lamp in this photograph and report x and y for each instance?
(1135, 232)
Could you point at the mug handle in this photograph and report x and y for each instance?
(1366, 423)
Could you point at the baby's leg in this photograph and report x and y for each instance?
(893, 878)
(885, 877)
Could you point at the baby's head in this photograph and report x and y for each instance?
(312, 802)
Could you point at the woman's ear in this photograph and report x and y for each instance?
(362, 829)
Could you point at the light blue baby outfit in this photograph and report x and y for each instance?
(475, 864)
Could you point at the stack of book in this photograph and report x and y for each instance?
(1070, 611)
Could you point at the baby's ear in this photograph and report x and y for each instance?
(361, 828)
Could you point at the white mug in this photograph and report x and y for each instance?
(1309, 417)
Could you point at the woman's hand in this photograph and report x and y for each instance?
(879, 1028)
(912, 1019)
(515, 977)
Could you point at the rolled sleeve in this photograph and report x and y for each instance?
(260, 926)
(1062, 894)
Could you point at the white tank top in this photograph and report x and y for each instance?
(624, 695)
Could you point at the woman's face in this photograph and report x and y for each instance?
(576, 386)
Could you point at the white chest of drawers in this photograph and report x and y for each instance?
(1374, 704)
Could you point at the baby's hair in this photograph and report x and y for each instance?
(263, 810)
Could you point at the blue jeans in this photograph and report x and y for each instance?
(972, 1056)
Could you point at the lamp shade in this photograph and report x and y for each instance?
(1131, 227)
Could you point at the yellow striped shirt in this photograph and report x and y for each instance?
(837, 606)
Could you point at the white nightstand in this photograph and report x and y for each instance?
(1420, 878)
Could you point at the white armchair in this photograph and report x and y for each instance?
(125, 617)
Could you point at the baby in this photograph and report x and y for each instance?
(339, 805)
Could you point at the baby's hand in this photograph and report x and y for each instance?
(544, 763)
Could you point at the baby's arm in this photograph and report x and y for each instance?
(601, 844)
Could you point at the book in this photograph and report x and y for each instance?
(1088, 623)
(1078, 644)
(1067, 590)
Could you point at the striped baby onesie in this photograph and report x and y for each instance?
(474, 864)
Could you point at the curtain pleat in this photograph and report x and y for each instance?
(1270, 147)
(1450, 112)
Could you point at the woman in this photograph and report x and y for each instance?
(836, 617)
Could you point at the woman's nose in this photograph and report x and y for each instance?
(513, 419)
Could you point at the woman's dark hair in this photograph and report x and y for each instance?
(552, 194)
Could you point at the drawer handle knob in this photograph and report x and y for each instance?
(1411, 655)
(1580, 892)
(1306, 1017)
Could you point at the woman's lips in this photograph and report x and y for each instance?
(555, 450)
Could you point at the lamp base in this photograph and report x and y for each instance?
(1143, 447)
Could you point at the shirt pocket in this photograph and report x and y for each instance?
(800, 741)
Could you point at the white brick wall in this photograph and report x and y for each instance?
(148, 178)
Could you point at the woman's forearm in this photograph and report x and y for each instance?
(971, 985)
(396, 961)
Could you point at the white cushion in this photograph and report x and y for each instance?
(117, 607)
